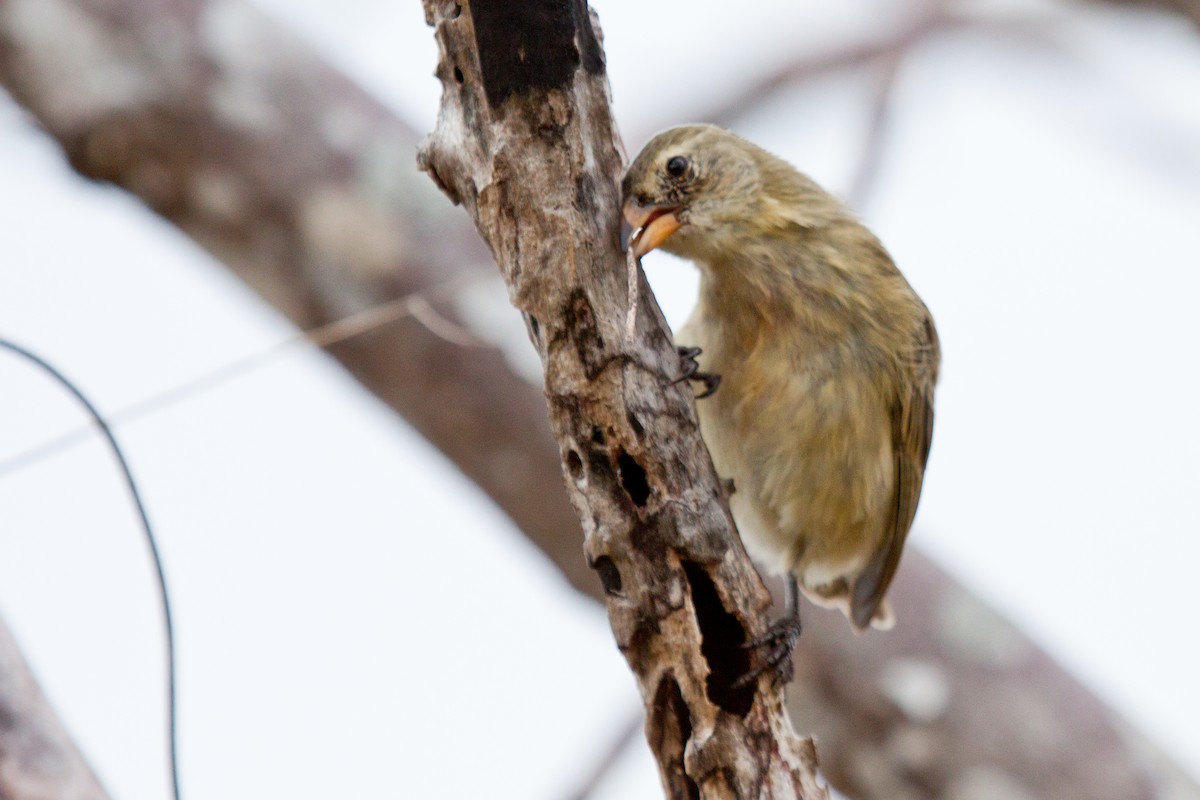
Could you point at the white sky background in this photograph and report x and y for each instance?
(1045, 201)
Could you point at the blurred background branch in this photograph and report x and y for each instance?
(1188, 8)
(38, 760)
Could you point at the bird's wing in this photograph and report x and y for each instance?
(912, 433)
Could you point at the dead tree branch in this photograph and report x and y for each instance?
(526, 142)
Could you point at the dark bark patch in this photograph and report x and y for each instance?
(646, 630)
(610, 576)
(535, 327)
(649, 539)
(589, 46)
(581, 329)
(585, 196)
(599, 465)
(526, 46)
(574, 466)
(668, 731)
(722, 637)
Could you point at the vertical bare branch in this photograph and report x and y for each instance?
(526, 142)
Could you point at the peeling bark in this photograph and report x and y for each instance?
(525, 141)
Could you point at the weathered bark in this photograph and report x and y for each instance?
(526, 142)
(38, 760)
(301, 218)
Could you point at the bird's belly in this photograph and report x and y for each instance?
(810, 454)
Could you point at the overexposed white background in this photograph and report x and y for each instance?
(1044, 198)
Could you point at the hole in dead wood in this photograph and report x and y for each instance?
(722, 637)
(458, 75)
(633, 478)
(457, 12)
(598, 436)
(610, 576)
(575, 465)
(668, 730)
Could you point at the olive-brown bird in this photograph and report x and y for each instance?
(826, 359)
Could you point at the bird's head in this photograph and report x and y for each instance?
(686, 185)
(699, 191)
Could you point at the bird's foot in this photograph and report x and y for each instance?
(771, 653)
(691, 371)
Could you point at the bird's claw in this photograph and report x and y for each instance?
(710, 380)
(688, 362)
(773, 653)
(691, 371)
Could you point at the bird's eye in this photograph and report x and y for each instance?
(677, 166)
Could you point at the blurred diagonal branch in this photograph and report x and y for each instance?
(1187, 8)
(888, 46)
(38, 760)
(807, 65)
(304, 186)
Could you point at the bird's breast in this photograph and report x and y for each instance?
(802, 428)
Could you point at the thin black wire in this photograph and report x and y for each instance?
(150, 540)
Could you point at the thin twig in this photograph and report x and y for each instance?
(870, 159)
(935, 18)
(416, 305)
(611, 756)
(812, 65)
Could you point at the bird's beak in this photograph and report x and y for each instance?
(646, 227)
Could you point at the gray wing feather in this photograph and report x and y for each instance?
(912, 434)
